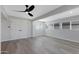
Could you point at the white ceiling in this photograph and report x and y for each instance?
(68, 13)
(38, 11)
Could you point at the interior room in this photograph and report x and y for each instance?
(39, 29)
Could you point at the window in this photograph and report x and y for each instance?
(56, 26)
(75, 25)
(66, 25)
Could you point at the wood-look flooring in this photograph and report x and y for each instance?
(39, 45)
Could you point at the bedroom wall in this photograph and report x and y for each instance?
(5, 31)
(13, 28)
(38, 28)
(20, 28)
(0, 23)
(65, 34)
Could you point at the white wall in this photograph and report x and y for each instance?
(38, 28)
(5, 31)
(20, 28)
(66, 34)
(0, 23)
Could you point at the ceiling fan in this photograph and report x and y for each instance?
(28, 9)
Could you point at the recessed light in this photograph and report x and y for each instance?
(71, 12)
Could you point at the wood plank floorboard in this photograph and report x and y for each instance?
(39, 45)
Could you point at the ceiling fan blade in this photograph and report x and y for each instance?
(26, 6)
(30, 14)
(18, 11)
(31, 8)
(25, 10)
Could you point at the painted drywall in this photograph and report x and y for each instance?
(38, 28)
(5, 23)
(0, 23)
(66, 34)
(20, 28)
(68, 13)
(5, 31)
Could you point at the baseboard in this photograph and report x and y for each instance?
(15, 39)
(63, 39)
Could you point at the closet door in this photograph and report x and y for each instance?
(20, 29)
